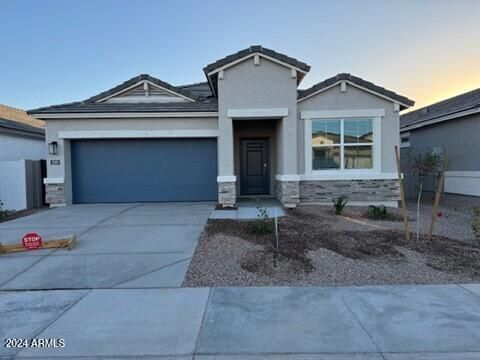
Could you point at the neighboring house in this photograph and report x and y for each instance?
(21, 136)
(22, 144)
(246, 132)
(451, 125)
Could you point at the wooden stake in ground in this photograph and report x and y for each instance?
(402, 195)
(438, 194)
(68, 242)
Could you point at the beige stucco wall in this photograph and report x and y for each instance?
(249, 86)
(53, 127)
(353, 99)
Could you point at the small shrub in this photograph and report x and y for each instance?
(3, 213)
(263, 225)
(476, 222)
(377, 212)
(339, 204)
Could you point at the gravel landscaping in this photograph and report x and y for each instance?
(320, 248)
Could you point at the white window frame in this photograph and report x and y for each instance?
(374, 114)
(405, 135)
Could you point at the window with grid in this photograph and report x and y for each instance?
(342, 144)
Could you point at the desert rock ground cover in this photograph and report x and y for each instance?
(320, 248)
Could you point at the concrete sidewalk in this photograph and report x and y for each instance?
(377, 322)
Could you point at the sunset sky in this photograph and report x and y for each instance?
(60, 51)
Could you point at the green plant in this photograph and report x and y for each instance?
(377, 212)
(339, 204)
(3, 213)
(425, 164)
(422, 166)
(476, 222)
(263, 224)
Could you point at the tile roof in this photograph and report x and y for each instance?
(200, 92)
(201, 89)
(16, 126)
(256, 49)
(20, 116)
(466, 101)
(358, 81)
(137, 79)
(81, 107)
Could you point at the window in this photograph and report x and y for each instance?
(405, 140)
(326, 139)
(342, 144)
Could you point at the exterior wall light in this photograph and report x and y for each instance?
(53, 148)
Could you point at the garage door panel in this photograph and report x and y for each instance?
(144, 170)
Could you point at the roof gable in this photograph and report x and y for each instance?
(244, 54)
(212, 70)
(145, 91)
(143, 88)
(191, 98)
(360, 83)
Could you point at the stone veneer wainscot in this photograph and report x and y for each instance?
(354, 190)
(227, 194)
(55, 194)
(287, 192)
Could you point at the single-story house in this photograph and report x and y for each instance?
(451, 125)
(22, 147)
(248, 131)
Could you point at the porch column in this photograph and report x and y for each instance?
(287, 178)
(226, 176)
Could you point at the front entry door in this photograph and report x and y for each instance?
(254, 179)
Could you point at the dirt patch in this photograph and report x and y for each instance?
(362, 214)
(303, 235)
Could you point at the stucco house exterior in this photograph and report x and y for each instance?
(451, 125)
(22, 147)
(247, 131)
(21, 136)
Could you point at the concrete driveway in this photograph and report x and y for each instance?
(119, 246)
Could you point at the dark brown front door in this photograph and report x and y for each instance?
(254, 179)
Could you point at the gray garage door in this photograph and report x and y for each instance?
(144, 170)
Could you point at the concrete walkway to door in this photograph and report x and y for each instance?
(119, 246)
(436, 322)
(248, 209)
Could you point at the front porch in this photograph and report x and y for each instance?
(258, 159)
(255, 150)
